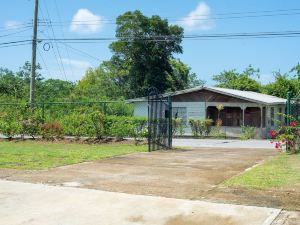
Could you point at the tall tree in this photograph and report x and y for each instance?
(144, 47)
(241, 81)
(296, 69)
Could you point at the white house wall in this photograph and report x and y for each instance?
(141, 109)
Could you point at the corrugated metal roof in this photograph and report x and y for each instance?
(246, 95)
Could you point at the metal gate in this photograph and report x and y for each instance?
(159, 121)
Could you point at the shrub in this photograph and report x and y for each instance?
(217, 133)
(178, 126)
(248, 132)
(287, 137)
(97, 119)
(52, 131)
(9, 126)
(78, 124)
(200, 127)
(31, 122)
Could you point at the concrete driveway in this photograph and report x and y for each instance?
(186, 174)
(36, 204)
(226, 143)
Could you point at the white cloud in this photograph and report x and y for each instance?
(84, 21)
(77, 64)
(12, 24)
(198, 19)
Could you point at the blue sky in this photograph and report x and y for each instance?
(206, 58)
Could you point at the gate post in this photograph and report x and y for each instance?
(170, 122)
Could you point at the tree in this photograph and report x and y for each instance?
(296, 69)
(241, 81)
(11, 86)
(54, 89)
(182, 77)
(281, 86)
(143, 51)
(104, 82)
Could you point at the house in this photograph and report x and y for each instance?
(240, 108)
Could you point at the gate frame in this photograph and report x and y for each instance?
(153, 94)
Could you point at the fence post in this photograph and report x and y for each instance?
(170, 122)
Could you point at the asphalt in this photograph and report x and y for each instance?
(36, 204)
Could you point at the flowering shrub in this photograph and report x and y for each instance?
(287, 137)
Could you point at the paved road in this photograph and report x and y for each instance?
(226, 143)
(36, 204)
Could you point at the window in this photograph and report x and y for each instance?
(272, 116)
(180, 112)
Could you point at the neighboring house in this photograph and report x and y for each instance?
(240, 108)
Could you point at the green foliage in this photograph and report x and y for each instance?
(178, 126)
(97, 119)
(216, 132)
(248, 132)
(240, 81)
(145, 62)
(77, 124)
(9, 126)
(282, 85)
(200, 127)
(31, 122)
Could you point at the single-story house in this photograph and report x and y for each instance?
(240, 108)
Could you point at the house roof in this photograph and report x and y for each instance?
(245, 95)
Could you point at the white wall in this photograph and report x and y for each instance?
(141, 109)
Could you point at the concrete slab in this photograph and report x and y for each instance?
(36, 204)
(226, 143)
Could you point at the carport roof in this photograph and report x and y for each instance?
(245, 95)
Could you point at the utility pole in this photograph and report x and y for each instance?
(33, 57)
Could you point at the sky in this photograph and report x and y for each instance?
(205, 57)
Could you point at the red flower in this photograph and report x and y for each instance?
(293, 123)
(273, 133)
(277, 145)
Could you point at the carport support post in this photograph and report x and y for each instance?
(288, 108)
(170, 122)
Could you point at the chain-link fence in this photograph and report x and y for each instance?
(80, 119)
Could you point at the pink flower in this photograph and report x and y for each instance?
(277, 145)
(293, 124)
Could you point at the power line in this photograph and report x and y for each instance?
(63, 34)
(203, 17)
(59, 55)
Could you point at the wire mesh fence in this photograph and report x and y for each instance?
(80, 119)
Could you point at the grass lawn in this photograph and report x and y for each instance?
(32, 155)
(282, 170)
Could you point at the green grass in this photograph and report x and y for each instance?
(32, 155)
(282, 170)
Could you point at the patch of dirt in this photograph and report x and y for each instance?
(197, 220)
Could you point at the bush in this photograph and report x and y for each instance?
(31, 122)
(200, 127)
(122, 126)
(77, 124)
(52, 131)
(217, 133)
(248, 132)
(178, 126)
(97, 119)
(9, 126)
